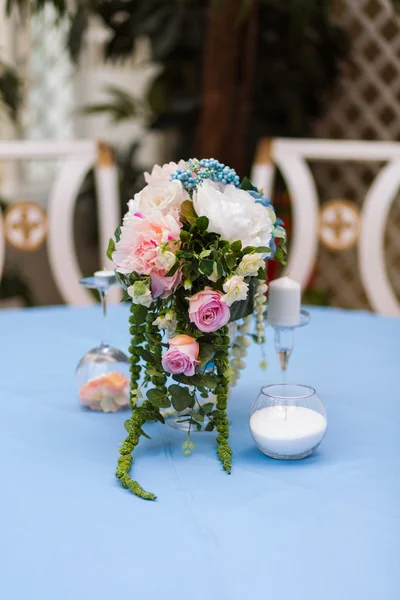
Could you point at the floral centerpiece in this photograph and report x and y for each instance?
(190, 256)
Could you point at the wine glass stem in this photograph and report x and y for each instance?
(103, 299)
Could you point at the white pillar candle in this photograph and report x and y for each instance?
(287, 430)
(284, 299)
(104, 277)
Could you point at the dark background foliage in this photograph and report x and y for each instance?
(275, 66)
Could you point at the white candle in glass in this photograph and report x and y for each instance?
(284, 299)
(287, 430)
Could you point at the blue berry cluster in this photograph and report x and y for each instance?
(206, 168)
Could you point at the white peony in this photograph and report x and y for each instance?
(233, 213)
(163, 173)
(166, 196)
(235, 289)
(250, 265)
(140, 293)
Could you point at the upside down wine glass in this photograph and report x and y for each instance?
(102, 374)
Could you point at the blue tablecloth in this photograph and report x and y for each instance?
(324, 527)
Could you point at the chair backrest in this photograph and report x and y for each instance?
(78, 157)
(291, 156)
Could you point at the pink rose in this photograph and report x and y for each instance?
(163, 287)
(141, 235)
(208, 311)
(181, 356)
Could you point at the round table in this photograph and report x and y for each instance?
(324, 527)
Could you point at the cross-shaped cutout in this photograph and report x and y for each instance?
(25, 225)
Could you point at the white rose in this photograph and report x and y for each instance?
(166, 259)
(140, 293)
(235, 289)
(233, 213)
(250, 264)
(167, 321)
(165, 196)
(163, 173)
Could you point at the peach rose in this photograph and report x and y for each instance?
(181, 356)
(107, 392)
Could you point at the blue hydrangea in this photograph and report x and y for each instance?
(206, 168)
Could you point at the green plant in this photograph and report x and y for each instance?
(10, 90)
(231, 71)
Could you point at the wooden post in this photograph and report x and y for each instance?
(219, 79)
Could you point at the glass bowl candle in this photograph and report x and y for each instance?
(288, 421)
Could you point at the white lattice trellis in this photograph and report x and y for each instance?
(50, 96)
(366, 106)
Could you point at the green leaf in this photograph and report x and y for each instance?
(263, 249)
(207, 407)
(185, 235)
(206, 353)
(142, 432)
(230, 260)
(181, 397)
(198, 425)
(148, 356)
(117, 233)
(206, 266)
(197, 416)
(207, 381)
(187, 269)
(140, 312)
(120, 106)
(202, 223)
(158, 398)
(243, 308)
(111, 248)
(209, 426)
(249, 250)
(247, 186)
(280, 254)
(122, 280)
(204, 253)
(236, 246)
(188, 213)
(261, 274)
(173, 269)
(127, 425)
(126, 297)
(151, 371)
(159, 417)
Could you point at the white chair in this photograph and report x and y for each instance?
(290, 156)
(78, 157)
